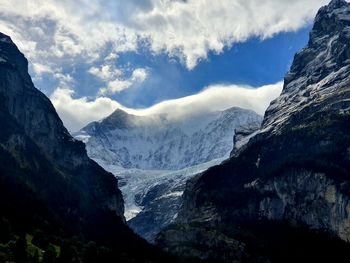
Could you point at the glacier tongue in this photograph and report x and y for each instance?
(154, 156)
(136, 182)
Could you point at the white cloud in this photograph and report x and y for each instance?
(116, 86)
(106, 72)
(192, 28)
(40, 69)
(65, 80)
(76, 113)
(186, 29)
(216, 98)
(138, 76)
(57, 33)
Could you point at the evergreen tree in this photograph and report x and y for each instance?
(90, 254)
(36, 258)
(50, 255)
(68, 253)
(19, 250)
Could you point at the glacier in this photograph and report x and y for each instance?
(153, 156)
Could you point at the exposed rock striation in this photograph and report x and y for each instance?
(293, 176)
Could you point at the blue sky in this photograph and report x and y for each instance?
(254, 63)
(91, 57)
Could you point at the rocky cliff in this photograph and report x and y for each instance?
(285, 197)
(38, 126)
(49, 187)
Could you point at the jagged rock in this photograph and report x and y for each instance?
(48, 184)
(293, 176)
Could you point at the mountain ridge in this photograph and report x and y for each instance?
(285, 196)
(178, 137)
(53, 197)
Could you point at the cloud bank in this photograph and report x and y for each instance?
(57, 36)
(185, 29)
(78, 112)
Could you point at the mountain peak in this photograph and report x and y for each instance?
(119, 119)
(336, 4)
(331, 19)
(324, 62)
(152, 142)
(5, 38)
(337, 12)
(11, 55)
(119, 114)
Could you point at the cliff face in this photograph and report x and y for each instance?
(294, 174)
(318, 80)
(51, 193)
(34, 137)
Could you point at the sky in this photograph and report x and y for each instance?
(157, 56)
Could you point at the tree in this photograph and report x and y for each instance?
(90, 253)
(19, 250)
(39, 239)
(36, 258)
(50, 254)
(5, 230)
(68, 252)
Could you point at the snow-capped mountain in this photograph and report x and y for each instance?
(159, 143)
(153, 157)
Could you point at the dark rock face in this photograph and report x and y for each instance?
(35, 139)
(292, 177)
(49, 185)
(319, 77)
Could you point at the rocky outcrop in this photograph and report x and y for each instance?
(242, 135)
(293, 174)
(317, 202)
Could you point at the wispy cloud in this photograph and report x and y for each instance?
(115, 81)
(106, 72)
(77, 112)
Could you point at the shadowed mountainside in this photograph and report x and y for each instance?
(54, 200)
(285, 196)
